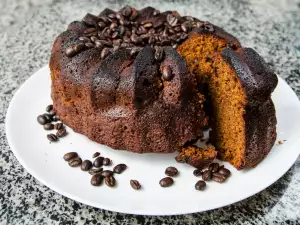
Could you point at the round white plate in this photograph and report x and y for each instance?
(44, 161)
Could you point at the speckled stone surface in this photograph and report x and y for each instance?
(27, 31)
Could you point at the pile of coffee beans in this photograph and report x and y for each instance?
(47, 121)
(127, 29)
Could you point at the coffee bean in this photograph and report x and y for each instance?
(148, 25)
(115, 34)
(52, 113)
(156, 12)
(52, 137)
(86, 165)
(172, 20)
(126, 11)
(70, 155)
(221, 167)
(105, 52)
(55, 118)
(95, 171)
(97, 180)
(89, 30)
(206, 175)
(134, 14)
(85, 39)
(171, 171)
(48, 126)
(197, 172)
(113, 26)
(110, 181)
(134, 38)
(58, 126)
(167, 73)
(42, 120)
(75, 162)
(107, 173)
(98, 162)
(214, 167)
(209, 27)
(96, 154)
(135, 184)
(166, 182)
(104, 19)
(94, 38)
(225, 172)
(185, 26)
(119, 168)
(106, 162)
(61, 132)
(159, 53)
(49, 108)
(101, 24)
(174, 46)
(134, 51)
(200, 185)
(216, 174)
(218, 179)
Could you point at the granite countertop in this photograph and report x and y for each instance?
(28, 29)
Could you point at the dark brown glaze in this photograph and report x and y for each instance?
(260, 119)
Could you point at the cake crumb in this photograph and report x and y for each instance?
(280, 142)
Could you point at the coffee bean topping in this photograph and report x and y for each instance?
(197, 172)
(105, 52)
(97, 180)
(206, 175)
(95, 171)
(74, 49)
(98, 162)
(156, 12)
(75, 162)
(42, 119)
(61, 132)
(135, 184)
(225, 172)
(106, 162)
(107, 173)
(58, 126)
(200, 185)
(159, 53)
(70, 155)
(172, 20)
(127, 11)
(52, 137)
(214, 167)
(48, 126)
(167, 73)
(119, 168)
(49, 108)
(166, 182)
(96, 154)
(86, 165)
(110, 181)
(171, 171)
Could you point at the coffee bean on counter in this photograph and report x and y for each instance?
(75, 162)
(110, 181)
(225, 172)
(96, 154)
(49, 108)
(48, 126)
(42, 119)
(97, 180)
(95, 171)
(200, 185)
(106, 162)
(98, 162)
(206, 175)
(166, 182)
(214, 167)
(70, 155)
(86, 165)
(107, 173)
(172, 20)
(171, 171)
(167, 73)
(135, 184)
(58, 126)
(197, 172)
(52, 137)
(119, 168)
(218, 179)
(61, 132)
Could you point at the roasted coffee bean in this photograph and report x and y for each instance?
(42, 120)
(156, 12)
(104, 19)
(115, 34)
(134, 51)
(86, 165)
(159, 53)
(107, 173)
(75, 162)
(214, 167)
(58, 126)
(218, 179)
(97, 180)
(52, 137)
(171, 171)
(70, 155)
(200, 185)
(49, 108)
(85, 39)
(61, 132)
(106, 162)
(96, 154)
(48, 126)
(55, 118)
(113, 26)
(52, 113)
(89, 30)
(119, 168)
(209, 27)
(206, 175)
(112, 16)
(174, 46)
(90, 19)
(98, 162)
(74, 49)
(221, 167)
(110, 181)
(185, 27)
(217, 174)
(101, 24)
(105, 52)
(134, 38)
(126, 11)
(167, 73)
(134, 13)
(148, 25)
(172, 20)
(94, 38)
(95, 171)
(166, 182)
(70, 51)
(197, 172)
(225, 172)
(135, 184)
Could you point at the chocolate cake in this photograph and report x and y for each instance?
(136, 79)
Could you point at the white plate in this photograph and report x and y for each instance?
(44, 161)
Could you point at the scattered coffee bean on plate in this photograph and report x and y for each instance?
(48, 126)
(48, 117)
(197, 172)
(52, 137)
(96, 154)
(200, 185)
(218, 179)
(221, 167)
(70, 155)
(171, 171)
(95, 171)
(52, 113)
(75, 162)
(98, 162)
(206, 175)
(55, 118)
(49, 108)
(97, 180)
(106, 162)
(135, 184)
(225, 172)
(166, 182)
(110, 181)
(42, 119)
(58, 126)
(86, 165)
(61, 132)
(107, 173)
(217, 174)
(214, 167)
(119, 168)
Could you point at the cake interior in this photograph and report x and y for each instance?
(225, 95)
(197, 153)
